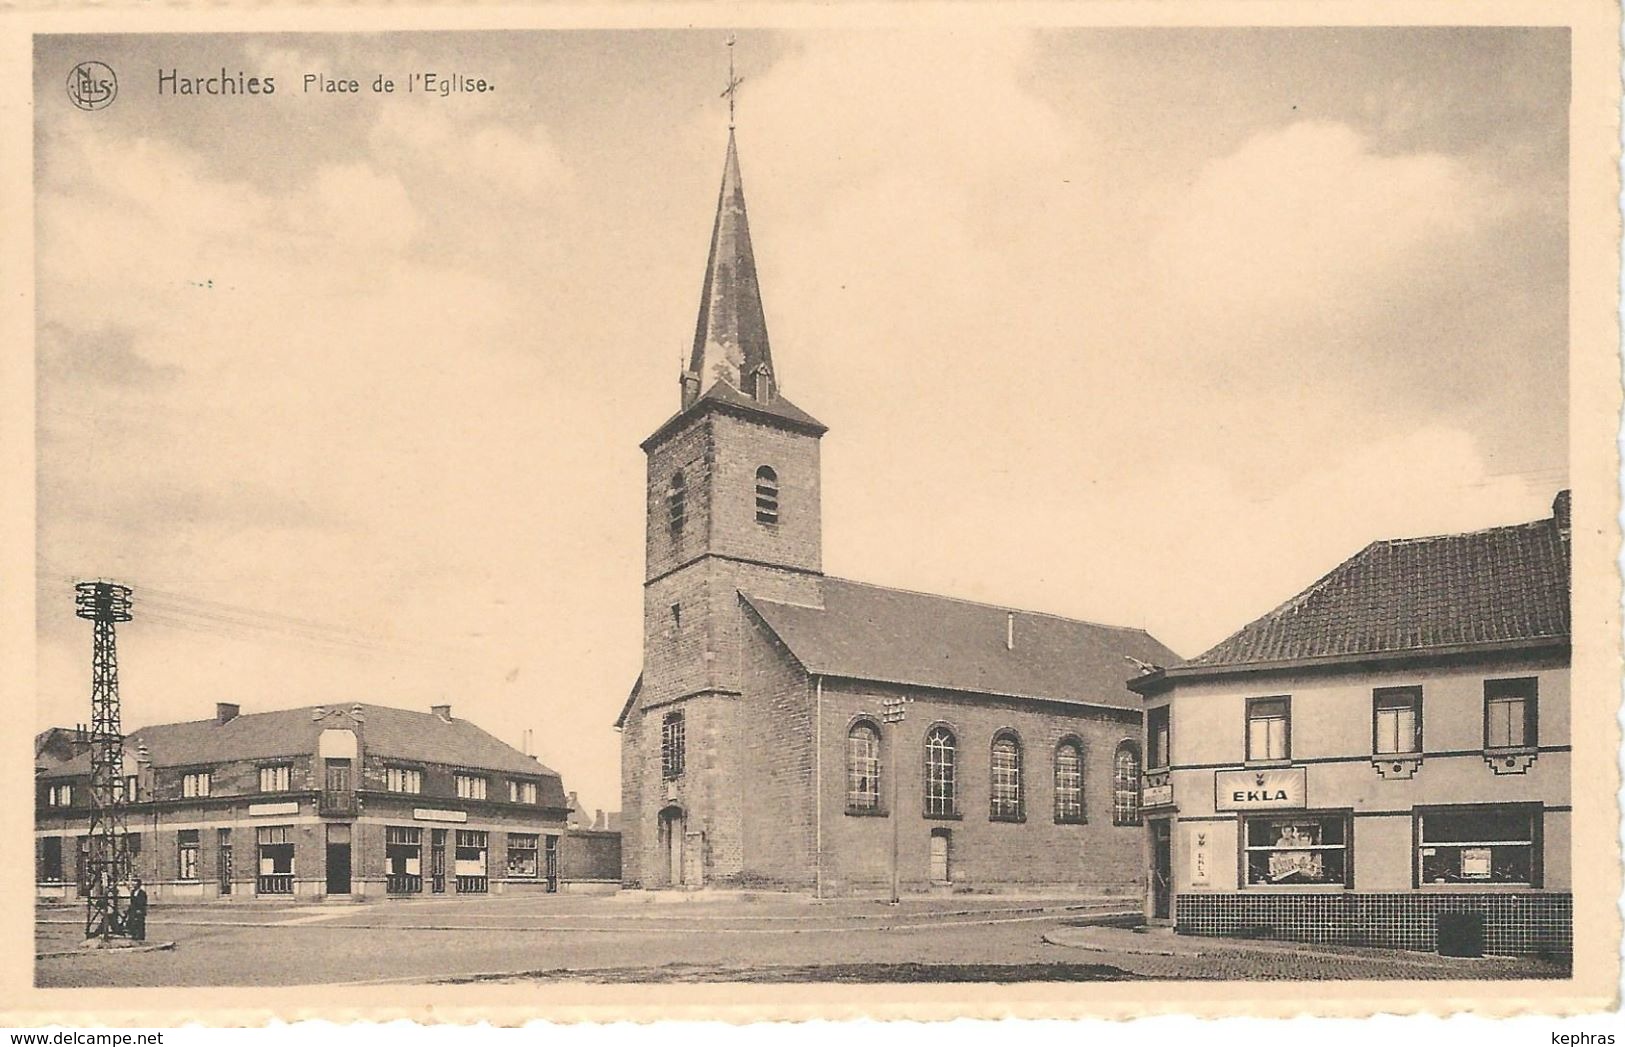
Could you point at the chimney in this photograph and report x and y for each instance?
(1560, 512)
(598, 821)
(1010, 631)
(225, 712)
(442, 711)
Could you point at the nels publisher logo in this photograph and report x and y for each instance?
(92, 86)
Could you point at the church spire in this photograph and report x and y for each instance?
(730, 339)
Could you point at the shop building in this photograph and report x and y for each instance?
(1384, 755)
(314, 802)
(755, 746)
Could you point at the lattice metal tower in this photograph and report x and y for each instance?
(107, 861)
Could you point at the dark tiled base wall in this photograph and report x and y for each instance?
(1514, 924)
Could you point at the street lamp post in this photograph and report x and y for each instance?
(892, 712)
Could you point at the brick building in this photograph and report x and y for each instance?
(1382, 757)
(754, 750)
(313, 802)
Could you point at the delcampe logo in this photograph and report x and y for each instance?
(92, 85)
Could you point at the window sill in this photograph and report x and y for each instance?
(1014, 819)
(1478, 888)
(1267, 764)
(866, 812)
(1297, 888)
(1072, 821)
(955, 817)
(1510, 750)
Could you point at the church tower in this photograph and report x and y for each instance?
(732, 505)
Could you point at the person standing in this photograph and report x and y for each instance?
(135, 920)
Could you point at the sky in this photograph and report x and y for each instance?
(1151, 327)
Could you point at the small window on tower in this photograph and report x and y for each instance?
(677, 503)
(767, 496)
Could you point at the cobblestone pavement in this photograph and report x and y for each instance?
(616, 939)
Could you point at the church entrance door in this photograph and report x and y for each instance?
(672, 826)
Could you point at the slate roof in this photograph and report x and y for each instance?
(402, 734)
(730, 337)
(869, 632)
(1496, 586)
(723, 396)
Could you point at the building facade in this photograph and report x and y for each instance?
(314, 802)
(1382, 760)
(756, 746)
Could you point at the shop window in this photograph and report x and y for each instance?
(1069, 782)
(1126, 785)
(186, 845)
(1396, 717)
(523, 855)
(863, 767)
(1509, 714)
(277, 778)
(403, 859)
(1157, 738)
(1004, 786)
(51, 859)
(403, 779)
(470, 860)
(941, 800)
(275, 843)
(767, 496)
(672, 743)
(470, 787)
(521, 792)
(1488, 844)
(1297, 850)
(1269, 729)
(196, 784)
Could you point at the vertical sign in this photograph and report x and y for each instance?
(1199, 845)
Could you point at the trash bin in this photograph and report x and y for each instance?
(1461, 934)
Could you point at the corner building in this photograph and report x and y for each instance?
(755, 748)
(1381, 760)
(316, 802)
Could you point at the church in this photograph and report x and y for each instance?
(791, 730)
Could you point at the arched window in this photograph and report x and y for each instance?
(677, 503)
(767, 496)
(672, 746)
(1069, 782)
(863, 767)
(939, 772)
(1126, 785)
(1005, 789)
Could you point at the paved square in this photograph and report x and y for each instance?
(628, 938)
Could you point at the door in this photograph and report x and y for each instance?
(1162, 869)
(223, 861)
(939, 856)
(338, 776)
(437, 861)
(338, 859)
(551, 869)
(671, 837)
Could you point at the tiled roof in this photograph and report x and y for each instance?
(402, 734)
(1501, 585)
(869, 632)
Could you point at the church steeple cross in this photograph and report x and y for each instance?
(733, 83)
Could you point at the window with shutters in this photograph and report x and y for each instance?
(676, 503)
(767, 495)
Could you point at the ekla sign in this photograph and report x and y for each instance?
(1277, 788)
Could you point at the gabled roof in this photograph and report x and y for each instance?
(387, 732)
(868, 632)
(1500, 586)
